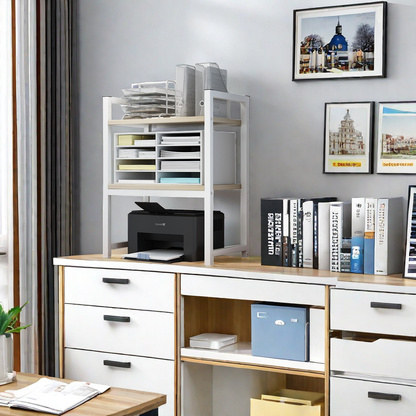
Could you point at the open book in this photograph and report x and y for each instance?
(51, 396)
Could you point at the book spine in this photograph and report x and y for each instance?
(369, 234)
(308, 234)
(315, 235)
(286, 246)
(357, 234)
(335, 236)
(293, 232)
(345, 256)
(271, 232)
(381, 237)
(300, 233)
(323, 236)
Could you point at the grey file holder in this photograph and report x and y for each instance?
(209, 76)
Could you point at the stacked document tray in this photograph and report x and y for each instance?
(149, 99)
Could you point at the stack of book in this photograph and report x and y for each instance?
(364, 235)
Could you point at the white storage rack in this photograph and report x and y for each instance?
(205, 190)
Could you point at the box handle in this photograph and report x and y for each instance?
(116, 281)
(384, 396)
(383, 305)
(113, 318)
(117, 364)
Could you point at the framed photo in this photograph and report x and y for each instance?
(340, 42)
(348, 140)
(410, 250)
(396, 137)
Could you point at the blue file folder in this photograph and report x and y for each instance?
(280, 331)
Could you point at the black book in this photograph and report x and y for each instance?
(272, 231)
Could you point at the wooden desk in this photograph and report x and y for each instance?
(113, 402)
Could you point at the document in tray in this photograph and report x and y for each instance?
(155, 255)
(51, 396)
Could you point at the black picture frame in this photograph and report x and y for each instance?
(409, 269)
(348, 137)
(396, 133)
(319, 53)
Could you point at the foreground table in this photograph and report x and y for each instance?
(113, 402)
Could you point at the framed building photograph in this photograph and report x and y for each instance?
(396, 137)
(340, 42)
(410, 249)
(348, 137)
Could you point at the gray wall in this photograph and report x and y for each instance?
(125, 41)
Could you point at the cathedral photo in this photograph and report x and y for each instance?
(337, 42)
(348, 137)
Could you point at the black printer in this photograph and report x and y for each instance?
(155, 227)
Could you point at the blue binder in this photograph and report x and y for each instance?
(280, 331)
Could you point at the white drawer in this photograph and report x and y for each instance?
(130, 289)
(375, 312)
(383, 357)
(147, 333)
(145, 374)
(250, 289)
(350, 398)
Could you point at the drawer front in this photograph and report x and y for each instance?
(350, 398)
(122, 331)
(250, 289)
(145, 374)
(383, 357)
(374, 312)
(120, 288)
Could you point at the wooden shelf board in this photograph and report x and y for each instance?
(172, 120)
(240, 354)
(171, 187)
(270, 369)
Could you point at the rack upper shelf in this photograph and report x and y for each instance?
(172, 120)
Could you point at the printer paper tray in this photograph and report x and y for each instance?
(156, 255)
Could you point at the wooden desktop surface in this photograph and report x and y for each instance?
(113, 402)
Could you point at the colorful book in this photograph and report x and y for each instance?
(369, 234)
(271, 231)
(340, 227)
(388, 249)
(357, 234)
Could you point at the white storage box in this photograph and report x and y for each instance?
(212, 341)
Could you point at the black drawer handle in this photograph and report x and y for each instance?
(384, 396)
(116, 281)
(113, 318)
(383, 305)
(117, 364)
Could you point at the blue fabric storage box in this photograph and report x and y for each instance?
(280, 331)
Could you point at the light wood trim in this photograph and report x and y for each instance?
(327, 346)
(269, 369)
(172, 120)
(177, 390)
(113, 402)
(61, 309)
(172, 187)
